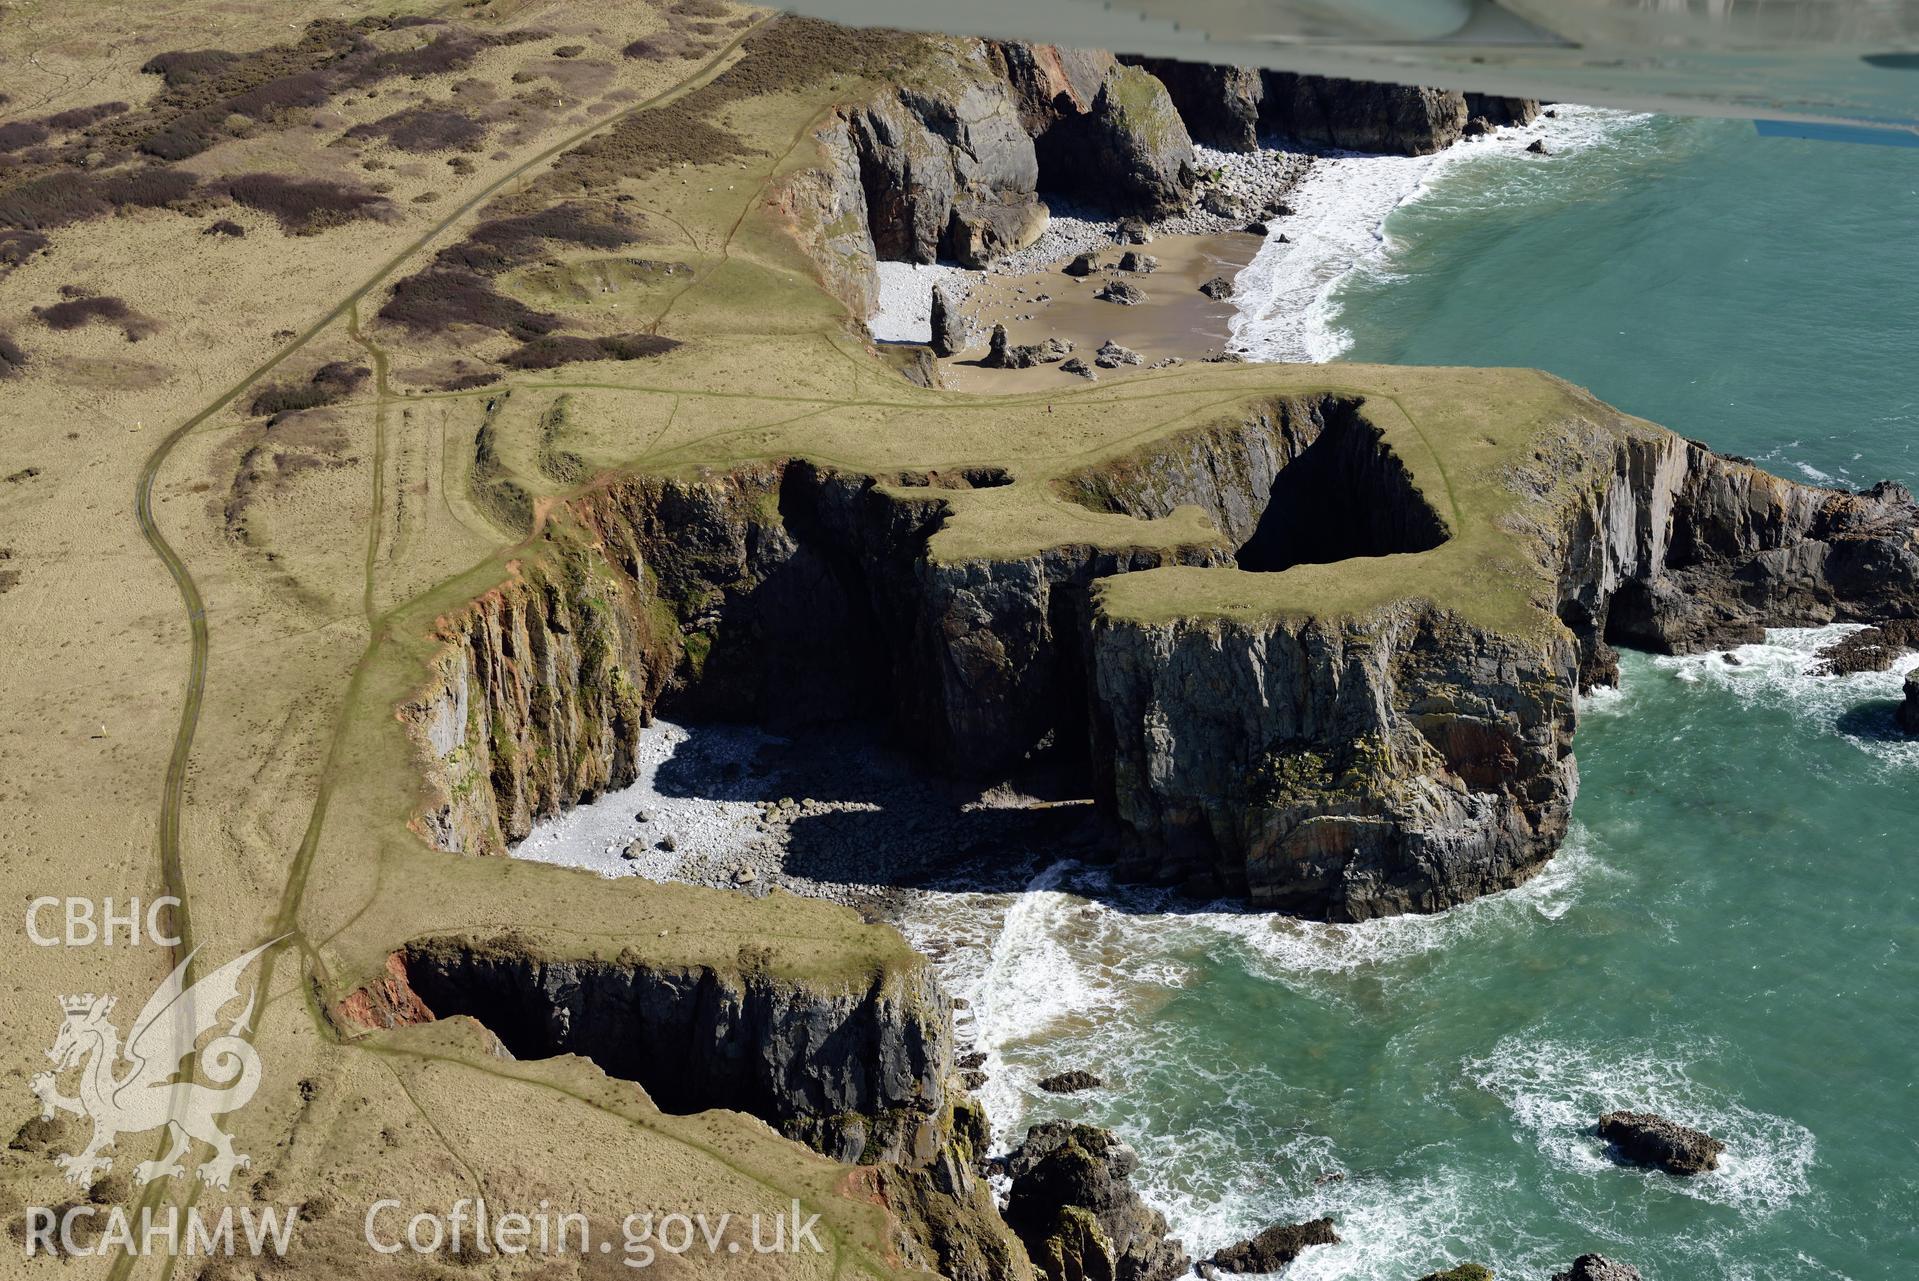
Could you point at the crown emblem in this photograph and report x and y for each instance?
(81, 1004)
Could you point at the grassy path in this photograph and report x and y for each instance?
(172, 798)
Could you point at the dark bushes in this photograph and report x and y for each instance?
(566, 349)
(225, 227)
(500, 243)
(20, 134)
(304, 206)
(182, 67)
(18, 246)
(59, 199)
(331, 382)
(434, 300)
(81, 117)
(422, 129)
(81, 308)
(12, 359)
(660, 47)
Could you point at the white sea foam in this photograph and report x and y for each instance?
(1556, 1091)
(1781, 672)
(1287, 295)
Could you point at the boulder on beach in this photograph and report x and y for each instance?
(1464, 1272)
(1079, 367)
(1597, 1267)
(1132, 260)
(1133, 231)
(1002, 354)
(1120, 292)
(1257, 228)
(1276, 1247)
(1217, 288)
(1650, 1139)
(1111, 355)
(1082, 265)
(1076, 1080)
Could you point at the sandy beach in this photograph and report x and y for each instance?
(1174, 320)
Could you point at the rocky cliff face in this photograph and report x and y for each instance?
(862, 1074)
(951, 165)
(1407, 760)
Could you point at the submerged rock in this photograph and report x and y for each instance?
(1650, 1139)
(1217, 288)
(1276, 1247)
(1122, 293)
(1464, 1272)
(1074, 1206)
(1070, 1082)
(1597, 1267)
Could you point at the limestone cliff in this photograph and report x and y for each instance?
(1404, 752)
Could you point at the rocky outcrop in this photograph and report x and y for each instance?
(1498, 111)
(1870, 649)
(1402, 758)
(951, 330)
(1130, 150)
(1276, 1247)
(1597, 1267)
(1908, 714)
(1648, 1139)
(1220, 104)
(1346, 763)
(1464, 1272)
(1356, 115)
(1072, 1203)
(860, 1071)
(1070, 1082)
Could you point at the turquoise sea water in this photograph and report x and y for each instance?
(1732, 935)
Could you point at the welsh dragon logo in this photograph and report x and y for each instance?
(131, 1089)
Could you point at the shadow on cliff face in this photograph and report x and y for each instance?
(1346, 495)
(1299, 480)
(868, 815)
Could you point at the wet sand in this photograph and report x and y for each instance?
(1175, 320)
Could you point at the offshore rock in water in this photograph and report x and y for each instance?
(1871, 649)
(1074, 1206)
(1070, 1082)
(1464, 1272)
(1597, 1267)
(1276, 1247)
(1909, 710)
(1651, 1139)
